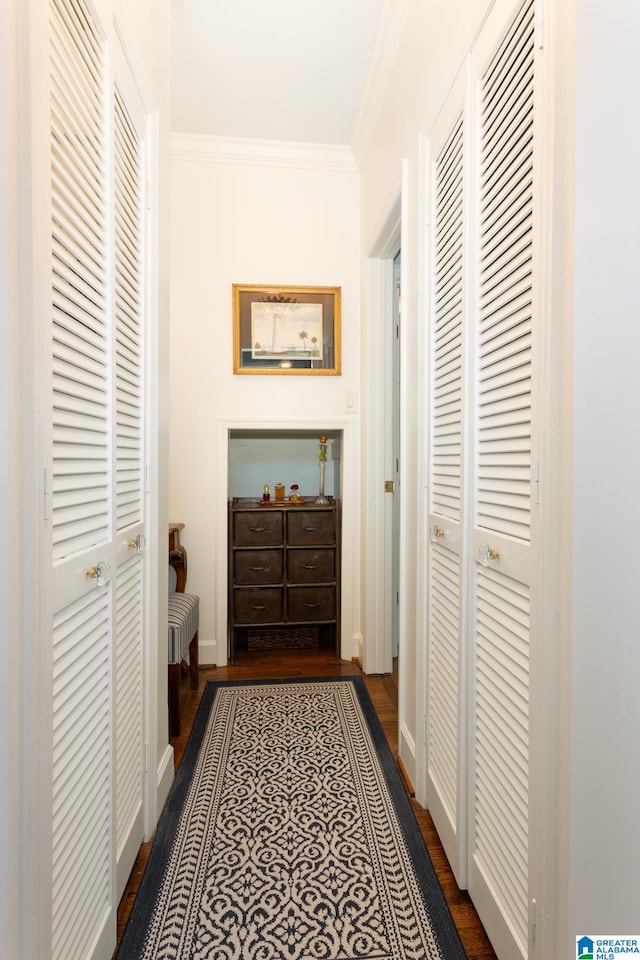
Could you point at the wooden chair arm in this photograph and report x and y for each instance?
(178, 560)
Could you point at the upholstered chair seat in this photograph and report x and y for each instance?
(183, 623)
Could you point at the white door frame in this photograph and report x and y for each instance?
(19, 582)
(350, 636)
(378, 448)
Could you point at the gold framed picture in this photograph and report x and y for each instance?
(286, 330)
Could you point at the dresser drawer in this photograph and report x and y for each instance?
(311, 527)
(311, 604)
(258, 566)
(258, 528)
(257, 605)
(311, 566)
(284, 569)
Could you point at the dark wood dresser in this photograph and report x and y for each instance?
(284, 568)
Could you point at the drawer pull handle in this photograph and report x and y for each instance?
(259, 529)
(310, 566)
(259, 569)
(312, 606)
(311, 529)
(258, 606)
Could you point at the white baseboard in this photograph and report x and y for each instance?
(357, 648)
(208, 655)
(165, 777)
(407, 752)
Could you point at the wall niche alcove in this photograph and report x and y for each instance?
(258, 457)
(284, 556)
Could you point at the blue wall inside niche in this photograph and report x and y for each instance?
(259, 457)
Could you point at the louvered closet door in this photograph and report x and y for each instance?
(130, 497)
(81, 484)
(446, 715)
(503, 539)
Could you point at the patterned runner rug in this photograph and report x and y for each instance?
(288, 835)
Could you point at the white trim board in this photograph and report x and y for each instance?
(350, 537)
(385, 49)
(333, 158)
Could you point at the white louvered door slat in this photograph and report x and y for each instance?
(129, 717)
(501, 539)
(83, 906)
(129, 504)
(80, 356)
(505, 326)
(129, 320)
(446, 781)
(97, 496)
(81, 773)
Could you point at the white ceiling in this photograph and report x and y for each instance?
(270, 69)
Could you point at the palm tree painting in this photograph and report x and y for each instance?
(286, 331)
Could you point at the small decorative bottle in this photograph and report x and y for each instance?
(322, 457)
(293, 496)
(266, 496)
(279, 492)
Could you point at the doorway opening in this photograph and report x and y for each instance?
(383, 612)
(395, 449)
(284, 541)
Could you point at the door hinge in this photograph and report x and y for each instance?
(536, 481)
(45, 494)
(388, 486)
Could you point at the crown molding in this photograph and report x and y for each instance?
(268, 153)
(393, 16)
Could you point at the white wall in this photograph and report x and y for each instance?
(246, 213)
(604, 787)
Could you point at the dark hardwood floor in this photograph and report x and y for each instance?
(384, 694)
